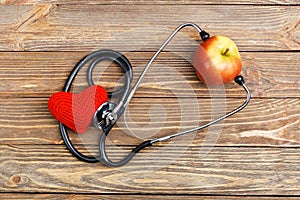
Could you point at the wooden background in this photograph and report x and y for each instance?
(256, 152)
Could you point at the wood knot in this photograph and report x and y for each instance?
(16, 179)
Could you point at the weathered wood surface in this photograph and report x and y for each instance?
(264, 122)
(143, 2)
(36, 74)
(80, 27)
(253, 154)
(13, 196)
(126, 197)
(230, 171)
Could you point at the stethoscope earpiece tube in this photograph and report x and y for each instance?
(109, 115)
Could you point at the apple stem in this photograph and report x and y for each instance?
(226, 51)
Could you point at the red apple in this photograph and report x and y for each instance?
(217, 61)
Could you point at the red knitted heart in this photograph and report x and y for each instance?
(76, 110)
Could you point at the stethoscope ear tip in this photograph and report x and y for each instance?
(204, 35)
(239, 80)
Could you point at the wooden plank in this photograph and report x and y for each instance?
(128, 197)
(34, 160)
(81, 27)
(39, 74)
(265, 122)
(142, 2)
(223, 171)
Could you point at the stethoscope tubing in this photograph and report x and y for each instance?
(126, 95)
(97, 56)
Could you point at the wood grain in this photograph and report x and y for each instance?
(39, 74)
(265, 122)
(230, 171)
(253, 154)
(81, 27)
(128, 197)
(143, 2)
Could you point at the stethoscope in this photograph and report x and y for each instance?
(108, 113)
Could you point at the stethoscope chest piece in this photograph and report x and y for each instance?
(103, 116)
